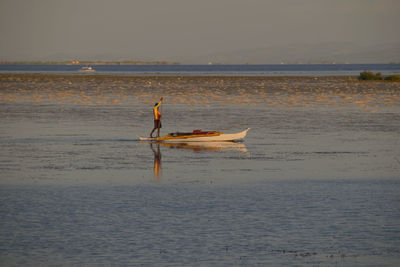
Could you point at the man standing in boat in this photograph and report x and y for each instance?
(157, 118)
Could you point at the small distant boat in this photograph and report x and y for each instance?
(87, 69)
(198, 136)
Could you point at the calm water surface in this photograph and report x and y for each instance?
(308, 186)
(320, 222)
(212, 70)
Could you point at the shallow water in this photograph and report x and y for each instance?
(272, 222)
(314, 183)
(211, 70)
(100, 145)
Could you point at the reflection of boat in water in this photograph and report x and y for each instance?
(207, 146)
(87, 69)
(198, 136)
(195, 146)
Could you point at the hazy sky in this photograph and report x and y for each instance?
(163, 29)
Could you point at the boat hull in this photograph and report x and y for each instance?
(219, 137)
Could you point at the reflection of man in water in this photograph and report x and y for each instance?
(157, 161)
(157, 118)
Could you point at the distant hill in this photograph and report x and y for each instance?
(304, 53)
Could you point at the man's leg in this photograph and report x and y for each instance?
(158, 127)
(151, 134)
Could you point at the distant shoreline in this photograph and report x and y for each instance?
(94, 63)
(144, 63)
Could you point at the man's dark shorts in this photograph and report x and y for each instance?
(157, 124)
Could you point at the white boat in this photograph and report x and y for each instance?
(198, 136)
(87, 69)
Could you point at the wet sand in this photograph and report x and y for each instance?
(285, 92)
